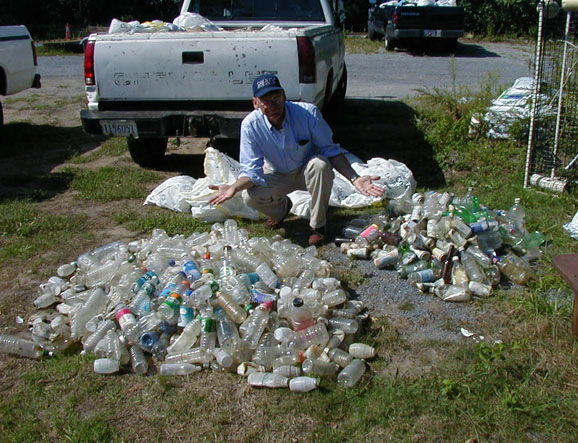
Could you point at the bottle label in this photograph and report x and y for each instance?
(173, 301)
(186, 315)
(148, 276)
(125, 318)
(208, 325)
(370, 233)
(168, 289)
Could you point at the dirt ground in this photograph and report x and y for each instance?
(430, 327)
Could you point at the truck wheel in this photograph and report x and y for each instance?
(339, 95)
(450, 44)
(389, 43)
(371, 32)
(147, 152)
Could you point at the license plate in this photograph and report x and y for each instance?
(122, 128)
(432, 32)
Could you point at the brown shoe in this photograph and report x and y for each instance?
(271, 223)
(318, 236)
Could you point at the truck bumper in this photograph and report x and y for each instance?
(428, 33)
(152, 124)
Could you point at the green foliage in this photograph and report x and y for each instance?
(172, 222)
(513, 18)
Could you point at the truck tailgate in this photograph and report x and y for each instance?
(437, 17)
(190, 66)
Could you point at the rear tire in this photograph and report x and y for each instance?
(450, 44)
(389, 43)
(371, 32)
(147, 152)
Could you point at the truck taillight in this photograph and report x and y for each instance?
(306, 54)
(394, 18)
(89, 64)
(34, 54)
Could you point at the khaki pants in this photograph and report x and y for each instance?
(316, 177)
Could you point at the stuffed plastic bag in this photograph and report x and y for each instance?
(192, 21)
(219, 169)
(572, 227)
(169, 194)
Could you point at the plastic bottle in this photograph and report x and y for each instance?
(253, 327)
(347, 325)
(459, 274)
(94, 305)
(514, 269)
(169, 369)
(128, 323)
(202, 294)
(319, 367)
(368, 235)
(138, 360)
(92, 340)
(452, 293)
(304, 280)
(19, 346)
(517, 216)
(190, 269)
(471, 266)
(195, 355)
(208, 338)
(424, 276)
(480, 256)
(315, 335)
(227, 333)
(300, 316)
(419, 265)
(223, 357)
(351, 374)
(334, 298)
(267, 380)
(188, 337)
(361, 350)
(267, 350)
(267, 275)
(141, 301)
(148, 276)
(116, 350)
(231, 307)
(231, 232)
(287, 371)
(206, 264)
(106, 366)
(339, 356)
(169, 308)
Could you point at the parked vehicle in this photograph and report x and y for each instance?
(398, 22)
(18, 62)
(149, 86)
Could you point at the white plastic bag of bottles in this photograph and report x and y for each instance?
(169, 194)
(572, 227)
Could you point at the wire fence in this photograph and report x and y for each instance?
(552, 156)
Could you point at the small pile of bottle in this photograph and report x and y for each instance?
(453, 247)
(265, 308)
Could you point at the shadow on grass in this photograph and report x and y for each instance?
(386, 129)
(29, 153)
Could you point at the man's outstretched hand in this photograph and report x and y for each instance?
(225, 193)
(364, 184)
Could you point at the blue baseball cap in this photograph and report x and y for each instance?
(266, 83)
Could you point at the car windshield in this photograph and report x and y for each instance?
(306, 10)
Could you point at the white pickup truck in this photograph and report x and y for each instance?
(197, 83)
(17, 62)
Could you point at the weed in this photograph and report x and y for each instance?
(113, 147)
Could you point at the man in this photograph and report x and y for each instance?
(288, 146)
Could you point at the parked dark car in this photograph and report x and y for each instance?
(399, 22)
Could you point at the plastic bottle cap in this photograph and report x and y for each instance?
(297, 302)
(268, 305)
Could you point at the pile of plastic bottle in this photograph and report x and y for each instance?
(453, 247)
(265, 308)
